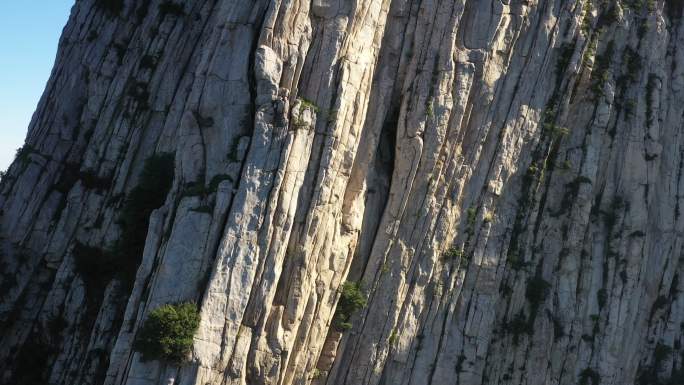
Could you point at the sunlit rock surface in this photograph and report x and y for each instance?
(503, 178)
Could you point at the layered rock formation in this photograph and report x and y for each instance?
(502, 178)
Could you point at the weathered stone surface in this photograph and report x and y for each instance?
(503, 178)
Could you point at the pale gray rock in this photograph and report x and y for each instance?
(502, 178)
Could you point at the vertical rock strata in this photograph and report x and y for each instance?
(503, 179)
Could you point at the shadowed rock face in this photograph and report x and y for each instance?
(503, 179)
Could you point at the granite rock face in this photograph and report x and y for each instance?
(502, 178)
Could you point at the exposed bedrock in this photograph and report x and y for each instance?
(502, 179)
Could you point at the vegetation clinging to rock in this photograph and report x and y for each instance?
(149, 194)
(168, 332)
(112, 6)
(172, 8)
(352, 300)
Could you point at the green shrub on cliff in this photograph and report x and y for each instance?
(352, 300)
(167, 333)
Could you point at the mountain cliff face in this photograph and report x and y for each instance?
(499, 182)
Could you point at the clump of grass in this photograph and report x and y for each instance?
(453, 254)
(308, 104)
(601, 72)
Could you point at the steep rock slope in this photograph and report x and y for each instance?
(503, 179)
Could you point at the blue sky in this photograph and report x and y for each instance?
(29, 33)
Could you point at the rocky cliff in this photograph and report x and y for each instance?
(501, 178)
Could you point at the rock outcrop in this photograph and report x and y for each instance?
(502, 179)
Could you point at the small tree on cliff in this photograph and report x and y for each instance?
(168, 332)
(352, 300)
